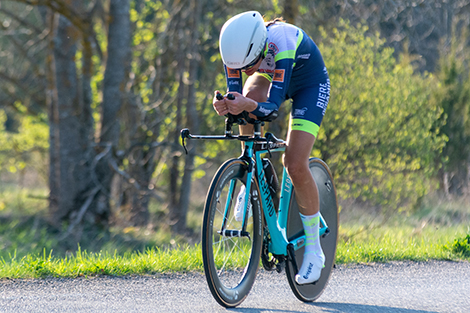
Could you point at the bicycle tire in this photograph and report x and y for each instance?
(329, 210)
(230, 276)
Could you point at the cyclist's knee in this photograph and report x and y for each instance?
(295, 168)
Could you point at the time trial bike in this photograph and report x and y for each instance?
(270, 229)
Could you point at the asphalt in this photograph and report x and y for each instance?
(412, 287)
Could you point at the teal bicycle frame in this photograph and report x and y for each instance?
(277, 224)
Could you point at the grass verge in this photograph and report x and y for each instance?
(375, 245)
(387, 244)
(86, 264)
(29, 249)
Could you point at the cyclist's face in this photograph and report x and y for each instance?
(252, 69)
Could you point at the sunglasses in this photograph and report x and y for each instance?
(247, 67)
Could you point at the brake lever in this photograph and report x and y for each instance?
(184, 134)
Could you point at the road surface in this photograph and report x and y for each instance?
(412, 287)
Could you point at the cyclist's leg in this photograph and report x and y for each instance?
(299, 146)
(305, 121)
(308, 108)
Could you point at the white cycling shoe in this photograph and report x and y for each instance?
(240, 206)
(311, 268)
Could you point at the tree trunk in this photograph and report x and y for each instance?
(71, 130)
(115, 78)
(193, 118)
(53, 114)
(136, 200)
(177, 219)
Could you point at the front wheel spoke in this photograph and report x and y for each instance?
(226, 259)
(224, 242)
(240, 248)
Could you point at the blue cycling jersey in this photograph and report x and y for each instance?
(292, 62)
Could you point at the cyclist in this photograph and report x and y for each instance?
(282, 62)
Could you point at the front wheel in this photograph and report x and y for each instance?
(329, 211)
(230, 253)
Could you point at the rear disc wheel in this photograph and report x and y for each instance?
(329, 211)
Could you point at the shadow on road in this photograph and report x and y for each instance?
(335, 308)
(352, 307)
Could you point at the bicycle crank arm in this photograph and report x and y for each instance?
(326, 233)
(233, 233)
(291, 257)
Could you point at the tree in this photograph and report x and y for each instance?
(115, 94)
(453, 95)
(79, 183)
(70, 126)
(416, 25)
(379, 133)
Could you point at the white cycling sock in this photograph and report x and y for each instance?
(314, 259)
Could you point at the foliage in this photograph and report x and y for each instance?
(379, 132)
(461, 246)
(453, 95)
(417, 26)
(27, 146)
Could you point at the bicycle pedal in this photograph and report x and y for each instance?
(327, 232)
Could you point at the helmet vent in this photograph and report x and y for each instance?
(249, 50)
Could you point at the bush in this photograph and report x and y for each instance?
(28, 147)
(453, 95)
(379, 133)
(461, 246)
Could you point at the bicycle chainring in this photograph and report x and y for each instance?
(269, 262)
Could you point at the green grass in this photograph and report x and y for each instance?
(91, 264)
(379, 245)
(438, 230)
(400, 243)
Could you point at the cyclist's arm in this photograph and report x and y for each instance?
(279, 84)
(234, 79)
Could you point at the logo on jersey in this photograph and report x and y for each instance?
(272, 47)
(304, 56)
(233, 73)
(266, 112)
(279, 76)
(300, 112)
(323, 96)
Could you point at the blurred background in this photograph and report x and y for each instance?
(94, 93)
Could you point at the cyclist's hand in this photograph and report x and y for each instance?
(219, 105)
(240, 104)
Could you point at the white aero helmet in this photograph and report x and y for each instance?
(242, 39)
